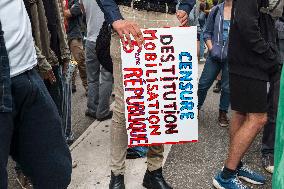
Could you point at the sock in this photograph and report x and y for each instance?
(228, 173)
(240, 165)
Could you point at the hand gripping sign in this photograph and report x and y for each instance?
(160, 87)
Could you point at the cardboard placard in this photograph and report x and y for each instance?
(160, 87)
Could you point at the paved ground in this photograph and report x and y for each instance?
(188, 166)
(192, 166)
(91, 154)
(79, 122)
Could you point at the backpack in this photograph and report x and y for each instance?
(274, 8)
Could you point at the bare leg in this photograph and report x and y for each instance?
(237, 121)
(219, 77)
(198, 49)
(243, 138)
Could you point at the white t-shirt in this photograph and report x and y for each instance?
(94, 17)
(18, 36)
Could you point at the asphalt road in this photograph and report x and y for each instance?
(188, 166)
(193, 165)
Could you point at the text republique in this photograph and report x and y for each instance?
(161, 65)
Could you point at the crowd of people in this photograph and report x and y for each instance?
(44, 42)
(42, 46)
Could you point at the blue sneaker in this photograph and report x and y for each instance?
(232, 183)
(252, 177)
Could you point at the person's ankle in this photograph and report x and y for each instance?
(228, 173)
(223, 111)
(240, 165)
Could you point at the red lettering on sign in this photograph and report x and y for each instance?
(152, 34)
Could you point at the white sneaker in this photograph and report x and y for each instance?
(202, 59)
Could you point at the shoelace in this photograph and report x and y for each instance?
(247, 170)
(239, 183)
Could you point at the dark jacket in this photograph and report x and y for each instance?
(252, 43)
(279, 25)
(75, 21)
(58, 42)
(214, 24)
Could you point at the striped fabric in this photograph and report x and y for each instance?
(64, 48)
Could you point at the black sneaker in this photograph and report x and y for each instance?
(70, 139)
(116, 182)
(109, 116)
(155, 180)
(223, 119)
(89, 114)
(217, 87)
(268, 162)
(74, 89)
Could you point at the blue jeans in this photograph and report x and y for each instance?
(141, 150)
(60, 91)
(99, 83)
(32, 135)
(208, 76)
(67, 108)
(55, 89)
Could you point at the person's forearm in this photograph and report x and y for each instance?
(111, 10)
(82, 8)
(209, 28)
(186, 5)
(43, 64)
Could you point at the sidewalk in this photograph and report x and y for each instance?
(91, 152)
(187, 166)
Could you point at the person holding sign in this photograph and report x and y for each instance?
(146, 14)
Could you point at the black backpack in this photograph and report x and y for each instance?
(103, 47)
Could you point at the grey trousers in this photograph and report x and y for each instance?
(99, 83)
(118, 129)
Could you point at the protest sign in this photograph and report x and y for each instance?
(160, 87)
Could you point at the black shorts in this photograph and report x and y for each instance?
(248, 95)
